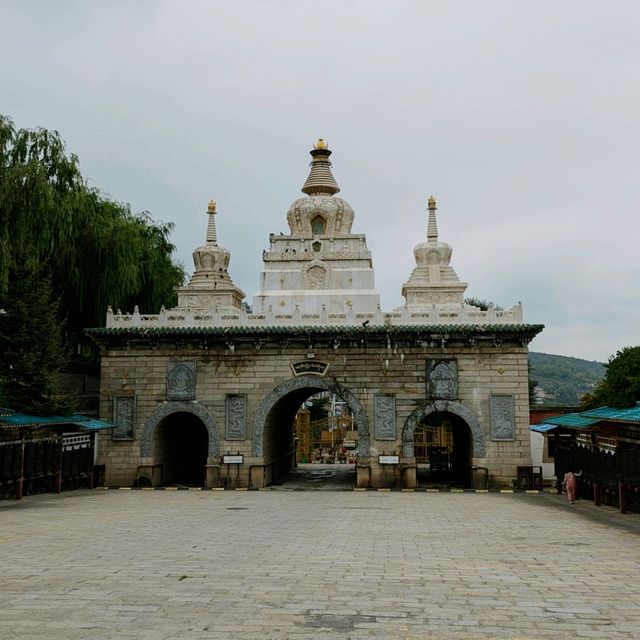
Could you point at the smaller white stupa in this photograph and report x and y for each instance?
(211, 286)
(433, 282)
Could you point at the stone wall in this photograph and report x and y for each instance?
(367, 372)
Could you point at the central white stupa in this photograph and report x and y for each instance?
(320, 268)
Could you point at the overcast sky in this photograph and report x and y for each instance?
(522, 118)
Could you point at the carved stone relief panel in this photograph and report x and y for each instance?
(502, 415)
(442, 379)
(181, 381)
(316, 277)
(236, 417)
(385, 417)
(124, 409)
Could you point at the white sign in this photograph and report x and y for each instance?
(235, 459)
(388, 459)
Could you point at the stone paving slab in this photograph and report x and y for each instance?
(349, 565)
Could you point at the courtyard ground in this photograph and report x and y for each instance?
(316, 564)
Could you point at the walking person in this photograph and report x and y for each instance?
(570, 483)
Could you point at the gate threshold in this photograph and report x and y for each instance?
(355, 489)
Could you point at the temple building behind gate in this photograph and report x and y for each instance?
(207, 392)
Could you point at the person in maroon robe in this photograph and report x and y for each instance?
(570, 483)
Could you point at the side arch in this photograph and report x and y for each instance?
(168, 408)
(316, 383)
(451, 406)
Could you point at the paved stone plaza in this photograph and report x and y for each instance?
(272, 564)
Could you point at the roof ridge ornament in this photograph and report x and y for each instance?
(321, 144)
(212, 236)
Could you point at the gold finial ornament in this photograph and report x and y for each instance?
(431, 203)
(321, 144)
(212, 206)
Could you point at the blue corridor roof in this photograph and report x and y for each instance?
(631, 414)
(25, 420)
(542, 428)
(571, 420)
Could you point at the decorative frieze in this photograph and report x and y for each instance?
(235, 417)
(385, 417)
(502, 416)
(124, 409)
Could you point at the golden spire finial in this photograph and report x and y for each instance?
(431, 203)
(321, 144)
(212, 206)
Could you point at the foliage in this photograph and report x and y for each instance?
(533, 384)
(318, 407)
(621, 385)
(481, 304)
(563, 380)
(94, 251)
(30, 346)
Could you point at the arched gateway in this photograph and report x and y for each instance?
(165, 410)
(228, 378)
(178, 445)
(287, 397)
(443, 406)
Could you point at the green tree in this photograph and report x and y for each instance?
(31, 346)
(94, 251)
(533, 383)
(621, 385)
(318, 407)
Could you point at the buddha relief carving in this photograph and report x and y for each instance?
(316, 277)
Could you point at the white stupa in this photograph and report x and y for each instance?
(320, 268)
(211, 287)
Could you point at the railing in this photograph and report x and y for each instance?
(607, 477)
(29, 466)
(232, 318)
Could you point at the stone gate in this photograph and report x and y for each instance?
(211, 378)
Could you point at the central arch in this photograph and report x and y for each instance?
(310, 384)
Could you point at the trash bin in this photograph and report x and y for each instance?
(479, 478)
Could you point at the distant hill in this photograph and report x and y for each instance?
(563, 380)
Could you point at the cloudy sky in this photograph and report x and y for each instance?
(522, 118)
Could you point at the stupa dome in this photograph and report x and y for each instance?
(321, 213)
(320, 216)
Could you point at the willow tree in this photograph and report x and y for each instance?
(93, 250)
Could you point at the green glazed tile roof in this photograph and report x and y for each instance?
(329, 330)
(571, 420)
(25, 420)
(631, 414)
(586, 419)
